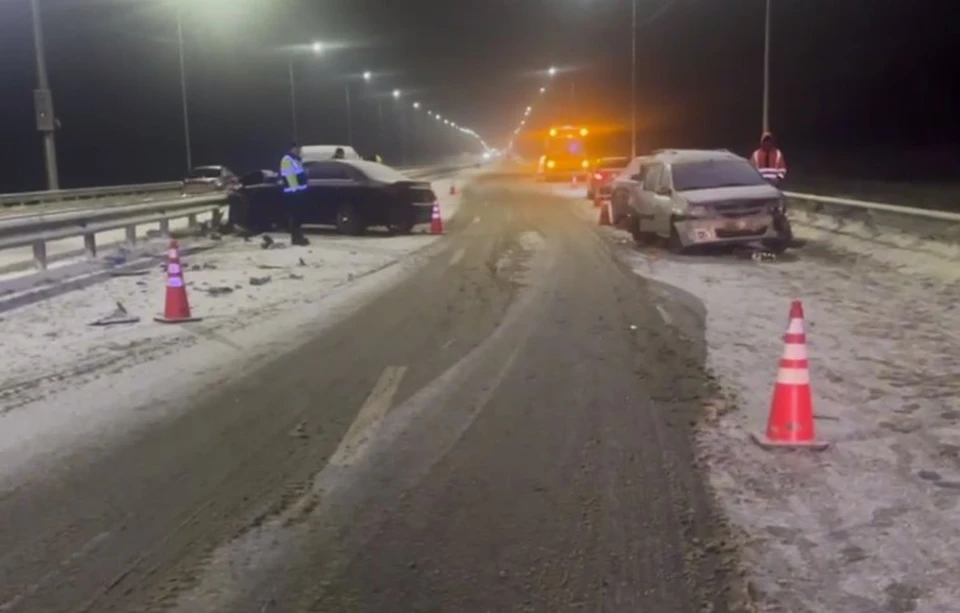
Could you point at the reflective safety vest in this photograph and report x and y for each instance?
(770, 163)
(294, 177)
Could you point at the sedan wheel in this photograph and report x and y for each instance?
(348, 221)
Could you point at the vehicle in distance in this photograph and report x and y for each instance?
(351, 195)
(693, 197)
(208, 179)
(564, 154)
(605, 170)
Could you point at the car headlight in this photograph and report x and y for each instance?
(585, 164)
(551, 163)
(697, 211)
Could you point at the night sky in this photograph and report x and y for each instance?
(866, 87)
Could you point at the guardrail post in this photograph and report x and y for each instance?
(90, 245)
(165, 227)
(131, 232)
(40, 255)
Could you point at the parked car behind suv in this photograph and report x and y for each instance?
(209, 179)
(701, 197)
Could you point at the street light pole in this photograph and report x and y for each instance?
(380, 121)
(766, 71)
(346, 92)
(183, 91)
(43, 100)
(293, 98)
(633, 85)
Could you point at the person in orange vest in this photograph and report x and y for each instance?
(769, 160)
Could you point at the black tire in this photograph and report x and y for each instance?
(673, 243)
(348, 222)
(618, 206)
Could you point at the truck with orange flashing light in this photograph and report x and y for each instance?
(565, 154)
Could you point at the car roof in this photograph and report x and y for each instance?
(674, 156)
(320, 153)
(372, 170)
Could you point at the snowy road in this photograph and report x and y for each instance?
(872, 524)
(506, 427)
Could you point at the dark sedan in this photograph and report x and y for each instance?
(351, 195)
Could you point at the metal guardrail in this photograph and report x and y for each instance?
(873, 207)
(36, 230)
(85, 193)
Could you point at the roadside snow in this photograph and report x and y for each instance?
(64, 378)
(873, 523)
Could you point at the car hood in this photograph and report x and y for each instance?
(741, 192)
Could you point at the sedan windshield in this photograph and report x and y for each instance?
(708, 174)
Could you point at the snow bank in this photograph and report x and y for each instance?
(61, 374)
(874, 522)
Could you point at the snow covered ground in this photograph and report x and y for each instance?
(64, 378)
(873, 523)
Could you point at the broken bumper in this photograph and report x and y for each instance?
(725, 231)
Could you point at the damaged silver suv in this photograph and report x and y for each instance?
(703, 197)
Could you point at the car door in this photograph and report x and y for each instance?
(330, 185)
(662, 199)
(645, 197)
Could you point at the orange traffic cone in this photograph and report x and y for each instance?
(436, 222)
(453, 188)
(176, 308)
(790, 423)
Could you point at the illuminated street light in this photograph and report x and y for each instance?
(416, 105)
(367, 75)
(317, 47)
(543, 90)
(396, 94)
(552, 71)
(430, 113)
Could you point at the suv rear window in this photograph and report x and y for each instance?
(708, 174)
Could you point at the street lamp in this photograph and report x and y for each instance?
(317, 48)
(43, 100)
(766, 70)
(416, 105)
(396, 94)
(183, 90)
(552, 71)
(633, 84)
(543, 90)
(367, 75)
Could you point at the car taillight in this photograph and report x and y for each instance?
(598, 176)
(585, 164)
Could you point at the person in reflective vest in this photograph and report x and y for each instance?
(769, 160)
(294, 192)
